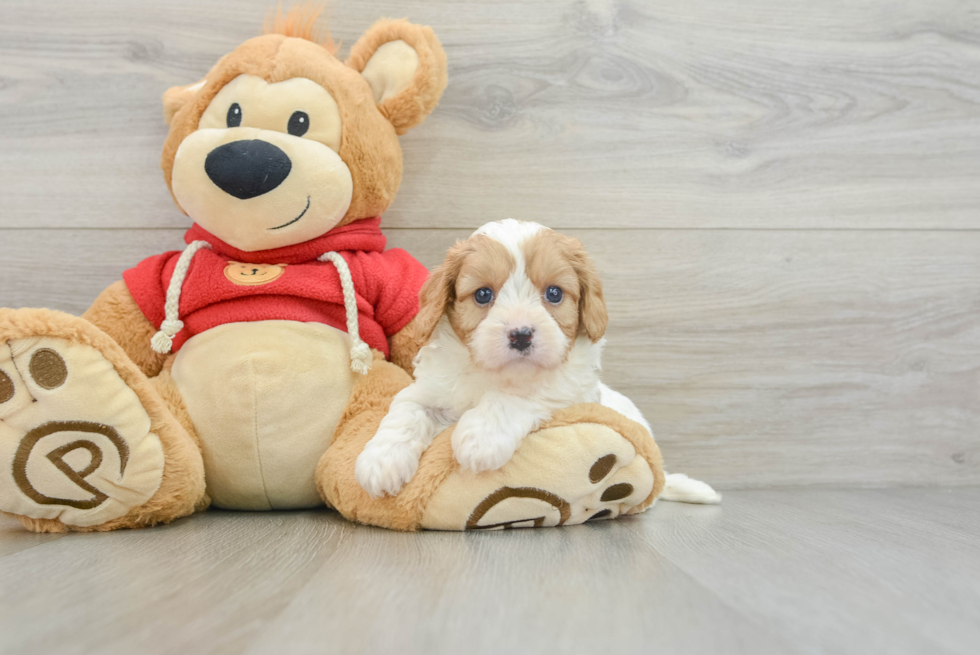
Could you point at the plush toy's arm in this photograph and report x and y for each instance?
(390, 281)
(404, 344)
(117, 314)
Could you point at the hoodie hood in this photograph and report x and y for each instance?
(364, 235)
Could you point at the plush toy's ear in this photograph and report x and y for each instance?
(406, 68)
(176, 97)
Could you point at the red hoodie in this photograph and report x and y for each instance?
(218, 289)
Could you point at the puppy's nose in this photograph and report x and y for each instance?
(521, 339)
(246, 169)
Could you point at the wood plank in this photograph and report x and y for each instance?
(563, 591)
(883, 571)
(768, 571)
(197, 585)
(760, 357)
(655, 114)
(14, 538)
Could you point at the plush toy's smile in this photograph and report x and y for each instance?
(302, 213)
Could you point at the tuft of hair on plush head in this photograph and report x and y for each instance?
(300, 21)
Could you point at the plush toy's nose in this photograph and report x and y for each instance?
(246, 169)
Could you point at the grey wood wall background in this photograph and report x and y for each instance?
(783, 197)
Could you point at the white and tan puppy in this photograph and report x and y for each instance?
(514, 319)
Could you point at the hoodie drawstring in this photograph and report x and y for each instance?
(360, 353)
(164, 339)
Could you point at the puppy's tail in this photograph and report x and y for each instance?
(682, 489)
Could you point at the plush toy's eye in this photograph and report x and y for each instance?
(234, 115)
(553, 295)
(483, 296)
(299, 123)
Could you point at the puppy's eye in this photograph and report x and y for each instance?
(483, 296)
(234, 115)
(553, 295)
(299, 123)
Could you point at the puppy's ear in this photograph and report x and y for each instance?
(176, 97)
(406, 68)
(593, 316)
(439, 292)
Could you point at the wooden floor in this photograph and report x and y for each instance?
(769, 571)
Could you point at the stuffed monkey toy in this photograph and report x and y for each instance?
(248, 370)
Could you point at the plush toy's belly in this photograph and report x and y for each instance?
(265, 398)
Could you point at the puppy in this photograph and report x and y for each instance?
(514, 320)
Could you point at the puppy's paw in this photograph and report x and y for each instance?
(478, 447)
(385, 467)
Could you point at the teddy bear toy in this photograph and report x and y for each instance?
(249, 370)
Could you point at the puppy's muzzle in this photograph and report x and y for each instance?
(520, 339)
(247, 169)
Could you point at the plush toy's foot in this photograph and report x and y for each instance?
(589, 462)
(85, 442)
